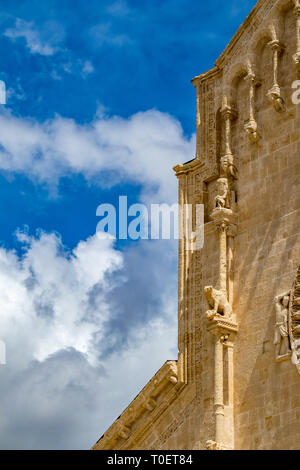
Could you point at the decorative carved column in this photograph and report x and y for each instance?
(219, 388)
(251, 124)
(230, 261)
(274, 94)
(296, 56)
(229, 346)
(220, 316)
(222, 325)
(222, 229)
(229, 114)
(224, 332)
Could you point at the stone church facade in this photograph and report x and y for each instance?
(236, 382)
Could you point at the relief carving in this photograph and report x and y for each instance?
(287, 327)
(281, 339)
(294, 321)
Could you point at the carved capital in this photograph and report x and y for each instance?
(276, 45)
(223, 328)
(228, 112)
(224, 216)
(232, 230)
(222, 227)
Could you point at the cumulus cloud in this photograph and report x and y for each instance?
(64, 402)
(45, 295)
(69, 318)
(142, 149)
(63, 384)
(44, 41)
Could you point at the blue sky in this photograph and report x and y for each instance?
(99, 104)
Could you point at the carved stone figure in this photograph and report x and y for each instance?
(223, 197)
(281, 339)
(251, 130)
(228, 169)
(294, 321)
(296, 58)
(217, 300)
(211, 445)
(276, 99)
(296, 353)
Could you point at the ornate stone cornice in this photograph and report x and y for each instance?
(143, 411)
(193, 166)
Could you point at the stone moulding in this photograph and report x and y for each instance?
(194, 165)
(145, 409)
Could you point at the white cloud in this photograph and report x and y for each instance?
(104, 35)
(118, 8)
(44, 41)
(44, 296)
(87, 68)
(69, 319)
(55, 392)
(142, 149)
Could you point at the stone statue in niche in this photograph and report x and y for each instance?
(228, 169)
(223, 197)
(281, 339)
(217, 301)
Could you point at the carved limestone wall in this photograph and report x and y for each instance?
(236, 385)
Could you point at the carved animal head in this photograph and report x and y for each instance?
(208, 292)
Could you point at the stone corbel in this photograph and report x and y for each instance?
(251, 125)
(274, 94)
(149, 404)
(123, 432)
(296, 56)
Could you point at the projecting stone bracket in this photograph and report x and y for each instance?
(222, 327)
